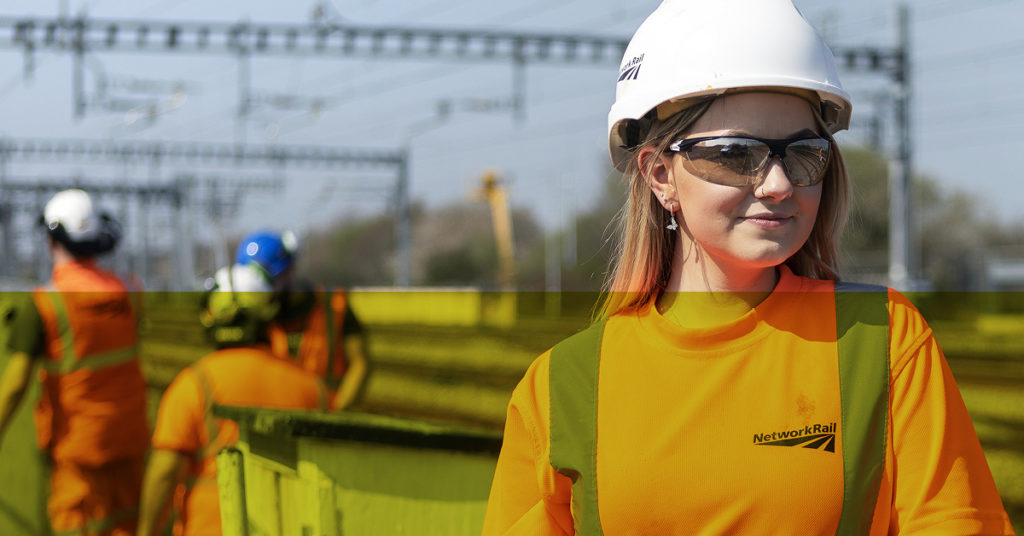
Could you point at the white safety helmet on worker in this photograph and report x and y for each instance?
(71, 218)
(690, 49)
(238, 304)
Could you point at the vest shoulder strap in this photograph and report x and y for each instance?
(573, 375)
(862, 343)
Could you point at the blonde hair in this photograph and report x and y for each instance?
(642, 261)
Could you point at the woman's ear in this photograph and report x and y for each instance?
(656, 169)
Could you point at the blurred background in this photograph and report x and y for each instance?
(453, 144)
(369, 128)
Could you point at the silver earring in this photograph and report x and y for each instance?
(672, 226)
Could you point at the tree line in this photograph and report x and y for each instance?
(454, 245)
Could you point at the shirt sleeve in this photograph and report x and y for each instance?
(21, 327)
(179, 420)
(527, 496)
(941, 481)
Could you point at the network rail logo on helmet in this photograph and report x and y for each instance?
(631, 69)
(688, 55)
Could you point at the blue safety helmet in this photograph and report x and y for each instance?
(272, 251)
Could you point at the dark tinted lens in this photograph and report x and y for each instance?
(729, 161)
(806, 161)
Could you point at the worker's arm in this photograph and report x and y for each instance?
(163, 474)
(527, 495)
(13, 385)
(940, 480)
(21, 331)
(355, 374)
(176, 438)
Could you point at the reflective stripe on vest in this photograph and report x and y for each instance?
(69, 362)
(334, 323)
(862, 334)
(329, 378)
(862, 342)
(573, 377)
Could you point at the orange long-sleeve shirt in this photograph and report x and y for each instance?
(236, 377)
(683, 415)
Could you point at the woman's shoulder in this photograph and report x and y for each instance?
(904, 317)
(571, 354)
(908, 329)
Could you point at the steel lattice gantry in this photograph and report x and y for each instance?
(82, 35)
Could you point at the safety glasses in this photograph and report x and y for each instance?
(742, 160)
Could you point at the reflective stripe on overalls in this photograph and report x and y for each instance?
(331, 319)
(69, 361)
(862, 341)
(334, 321)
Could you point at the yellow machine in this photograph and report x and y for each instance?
(496, 195)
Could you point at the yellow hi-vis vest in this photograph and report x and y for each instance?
(862, 340)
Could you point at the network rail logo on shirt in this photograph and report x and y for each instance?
(812, 436)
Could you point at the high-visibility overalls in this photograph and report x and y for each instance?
(91, 416)
(315, 341)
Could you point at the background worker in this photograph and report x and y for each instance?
(316, 327)
(734, 384)
(242, 372)
(81, 328)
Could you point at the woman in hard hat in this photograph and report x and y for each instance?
(732, 384)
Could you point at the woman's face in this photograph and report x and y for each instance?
(748, 227)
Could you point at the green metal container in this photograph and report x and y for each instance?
(308, 473)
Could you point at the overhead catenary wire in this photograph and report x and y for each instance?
(955, 7)
(360, 109)
(976, 56)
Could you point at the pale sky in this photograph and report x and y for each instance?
(966, 106)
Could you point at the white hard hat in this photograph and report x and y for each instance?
(71, 219)
(73, 210)
(241, 278)
(698, 48)
(238, 305)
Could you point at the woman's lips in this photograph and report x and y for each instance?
(768, 220)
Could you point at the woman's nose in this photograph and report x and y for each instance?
(775, 183)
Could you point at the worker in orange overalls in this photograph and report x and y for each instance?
(242, 372)
(81, 328)
(315, 327)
